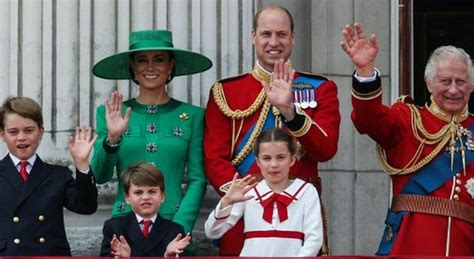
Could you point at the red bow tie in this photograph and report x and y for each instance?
(281, 201)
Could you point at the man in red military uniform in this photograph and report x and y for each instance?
(428, 151)
(241, 107)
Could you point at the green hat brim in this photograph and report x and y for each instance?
(118, 66)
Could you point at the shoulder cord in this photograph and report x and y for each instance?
(258, 129)
(442, 137)
(219, 98)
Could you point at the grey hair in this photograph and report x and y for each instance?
(447, 52)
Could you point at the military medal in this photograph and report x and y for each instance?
(469, 142)
(304, 95)
(312, 103)
(304, 103)
(295, 97)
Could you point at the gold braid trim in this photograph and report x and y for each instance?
(441, 138)
(219, 98)
(431, 138)
(308, 121)
(258, 128)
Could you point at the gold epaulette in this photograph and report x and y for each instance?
(261, 101)
(405, 99)
(219, 98)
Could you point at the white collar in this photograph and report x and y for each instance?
(16, 160)
(140, 218)
(294, 189)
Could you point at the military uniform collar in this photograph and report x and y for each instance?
(442, 115)
(260, 73)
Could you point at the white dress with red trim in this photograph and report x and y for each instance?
(285, 224)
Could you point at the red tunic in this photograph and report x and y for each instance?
(390, 127)
(319, 143)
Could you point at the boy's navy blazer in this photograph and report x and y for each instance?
(162, 233)
(31, 212)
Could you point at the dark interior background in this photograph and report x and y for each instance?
(437, 23)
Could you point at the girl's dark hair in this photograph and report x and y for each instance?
(132, 74)
(274, 135)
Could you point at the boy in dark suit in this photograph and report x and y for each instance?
(34, 192)
(143, 232)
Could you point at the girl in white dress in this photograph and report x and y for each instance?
(282, 216)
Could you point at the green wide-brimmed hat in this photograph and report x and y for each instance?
(118, 66)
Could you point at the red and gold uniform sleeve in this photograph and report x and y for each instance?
(217, 143)
(224, 131)
(386, 125)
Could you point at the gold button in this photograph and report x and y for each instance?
(16, 241)
(458, 181)
(457, 189)
(458, 175)
(42, 240)
(16, 219)
(41, 218)
(456, 197)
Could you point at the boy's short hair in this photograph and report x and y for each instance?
(23, 106)
(143, 174)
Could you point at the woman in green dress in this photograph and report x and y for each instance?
(153, 127)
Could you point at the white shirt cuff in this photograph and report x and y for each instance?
(363, 79)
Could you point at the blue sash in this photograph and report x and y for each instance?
(249, 159)
(427, 179)
(436, 173)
